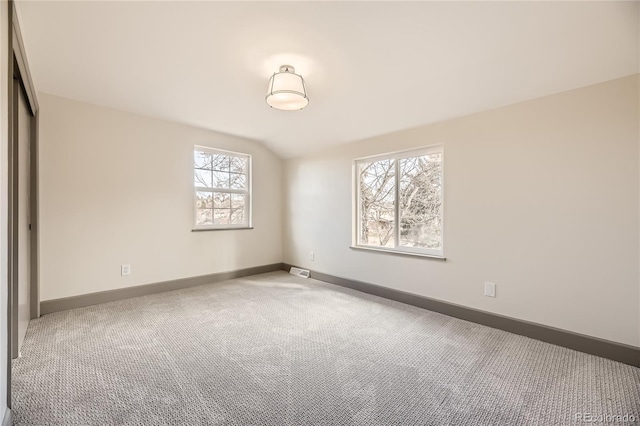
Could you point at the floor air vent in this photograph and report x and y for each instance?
(299, 272)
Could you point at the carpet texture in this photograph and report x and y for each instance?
(274, 349)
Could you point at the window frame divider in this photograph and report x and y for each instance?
(396, 231)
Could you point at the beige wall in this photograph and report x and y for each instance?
(541, 198)
(116, 188)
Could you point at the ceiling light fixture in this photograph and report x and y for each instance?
(286, 90)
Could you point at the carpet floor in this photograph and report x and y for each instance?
(274, 349)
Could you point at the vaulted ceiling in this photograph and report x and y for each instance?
(370, 67)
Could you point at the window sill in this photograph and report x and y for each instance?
(400, 253)
(222, 229)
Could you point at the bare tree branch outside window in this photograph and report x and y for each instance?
(418, 213)
(221, 188)
(377, 189)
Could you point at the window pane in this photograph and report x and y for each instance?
(237, 209)
(204, 217)
(238, 181)
(377, 203)
(237, 201)
(220, 179)
(237, 217)
(239, 165)
(204, 200)
(420, 201)
(201, 160)
(221, 200)
(220, 162)
(202, 178)
(221, 216)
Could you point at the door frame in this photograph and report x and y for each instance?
(21, 80)
(14, 194)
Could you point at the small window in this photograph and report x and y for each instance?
(399, 202)
(222, 189)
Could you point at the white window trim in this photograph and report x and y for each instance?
(248, 191)
(397, 155)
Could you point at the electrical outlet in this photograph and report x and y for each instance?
(312, 256)
(125, 270)
(490, 289)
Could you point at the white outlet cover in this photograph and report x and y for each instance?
(125, 270)
(312, 256)
(490, 289)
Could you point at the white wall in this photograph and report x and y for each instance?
(4, 206)
(116, 188)
(541, 198)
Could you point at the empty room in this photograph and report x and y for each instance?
(319, 213)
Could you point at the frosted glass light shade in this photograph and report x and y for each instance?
(286, 90)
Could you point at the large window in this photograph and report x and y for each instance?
(399, 202)
(222, 189)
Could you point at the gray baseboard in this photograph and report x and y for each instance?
(7, 418)
(580, 342)
(55, 305)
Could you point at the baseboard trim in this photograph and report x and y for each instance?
(7, 418)
(580, 342)
(63, 304)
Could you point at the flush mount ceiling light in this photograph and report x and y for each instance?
(286, 90)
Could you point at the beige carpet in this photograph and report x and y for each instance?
(274, 349)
